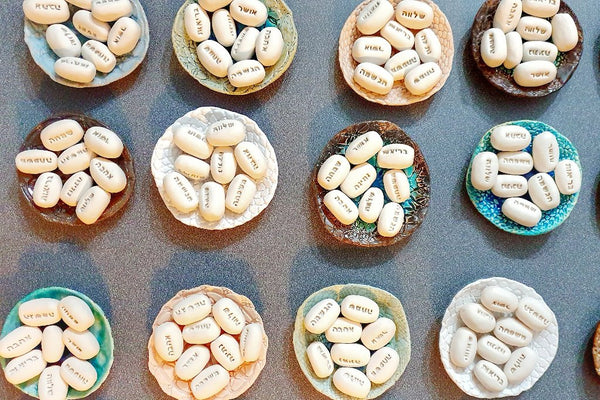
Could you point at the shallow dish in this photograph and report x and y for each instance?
(490, 206)
(35, 37)
(545, 342)
(241, 379)
(101, 329)
(279, 15)
(63, 213)
(501, 77)
(361, 233)
(389, 307)
(399, 96)
(165, 153)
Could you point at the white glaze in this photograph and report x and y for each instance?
(229, 316)
(414, 14)
(351, 381)
(493, 350)
(103, 142)
(509, 186)
(25, 367)
(521, 364)
(245, 73)
(212, 201)
(75, 69)
(545, 151)
(543, 191)
(111, 10)
(191, 309)
(382, 365)
(192, 141)
(514, 50)
(363, 147)
(192, 167)
(510, 138)
(223, 165)
(372, 49)
(428, 46)
(390, 220)
(240, 193)
(76, 313)
(63, 41)
(196, 22)
(321, 316)
(46, 191)
(398, 36)
(534, 28)
(515, 162)
(90, 27)
(463, 347)
(46, 12)
(490, 376)
(350, 355)
(564, 32)
(370, 205)
(201, 332)
(20, 341)
(396, 185)
(192, 362)
(214, 57)
(493, 47)
(82, 345)
(507, 15)
(541, 8)
(568, 177)
(98, 54)
(378, 334)
(374, 16)
(251, 342)
(53, 347)
(498, 299)
(74, 159)
(108, 175)
(343, 330)
(340, 205)
(248, 12)
(209, 382)
(168, 341)
(223, 27)
(80, 375)
(423, 78)
(537, 50)
(320, 359)
(51, 385)
(333, 172)
(477, 318)
(36, 161)
(396, 156)
(245, 44)
(512, 332)
(39, 312)
(359, 309)
(124, 36)
(359, 179)
(522, 211)
(269, 46)
(535, 314)
(401, 63)
(373, 77)
(226, 350)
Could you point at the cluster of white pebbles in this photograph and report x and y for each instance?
(355, 328)
(223, 187)
(252, 50)
(90, 194)
(355, 181)
(527, 36)
(92, 19)
(513, 161)
(498, 333)
(195, 337)
(403, 32)
(40, 353)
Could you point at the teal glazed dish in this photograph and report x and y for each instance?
(389, 307)
(490, 206)
(279, 15)
(365, 234)
(35, 37)
(101, 330)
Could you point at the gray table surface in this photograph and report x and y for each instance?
(132, 264)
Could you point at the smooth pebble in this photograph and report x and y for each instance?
(341, 206)
(75, 187)
(46, 191)
(240, 193)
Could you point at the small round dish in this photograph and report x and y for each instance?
(165, 153)
(389, 307)
(399, 95)
(101, 330)
(544, 343)
(365, 234)
(241, 378)
(279, 15)
(596, 349)
(501, 78)
(63, 213)
(490, 206)
(35, 37)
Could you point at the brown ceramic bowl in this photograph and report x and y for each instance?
(361, 233)
(63, 213)
(501, 77)
(596, 349)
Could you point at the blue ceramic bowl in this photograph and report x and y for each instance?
(101, 330)
(490, 206)
(35, 37)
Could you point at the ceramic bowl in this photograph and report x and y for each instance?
(389, 307)
(279, 15)
(544, 343)
(399, 96)
(241, 378)
(490, 206)
(165, 153)
(101, 330)
(500, 77)
(365, 234)
(63, 213)
(35, 37)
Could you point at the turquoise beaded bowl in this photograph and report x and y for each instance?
(101, 330)
(490, 206)
(35, 37)
(389, 307)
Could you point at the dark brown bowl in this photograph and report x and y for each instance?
(361, 233)
(501, 77)
(63, 213)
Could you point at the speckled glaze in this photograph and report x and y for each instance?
(165, 153)
(241, 379)
(389, 307)
(63, 213)
(544, 343)
(365, 234)
(490, 206)
(400, 95)
(279, 15)
(101, 330)
(35, 37)
(501, 78)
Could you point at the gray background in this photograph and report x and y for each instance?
(135, 262)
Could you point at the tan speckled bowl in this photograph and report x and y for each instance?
(399, 96)
(241, 378)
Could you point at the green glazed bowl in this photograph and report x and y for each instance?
(101, 330)
(279, 15)
(490, 206)
(389, 307)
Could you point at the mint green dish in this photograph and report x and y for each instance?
(389, 307)
(490, 206)
(101, 329)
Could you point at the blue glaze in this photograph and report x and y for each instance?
(101, 330)
(35, 37)
(490, 206)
